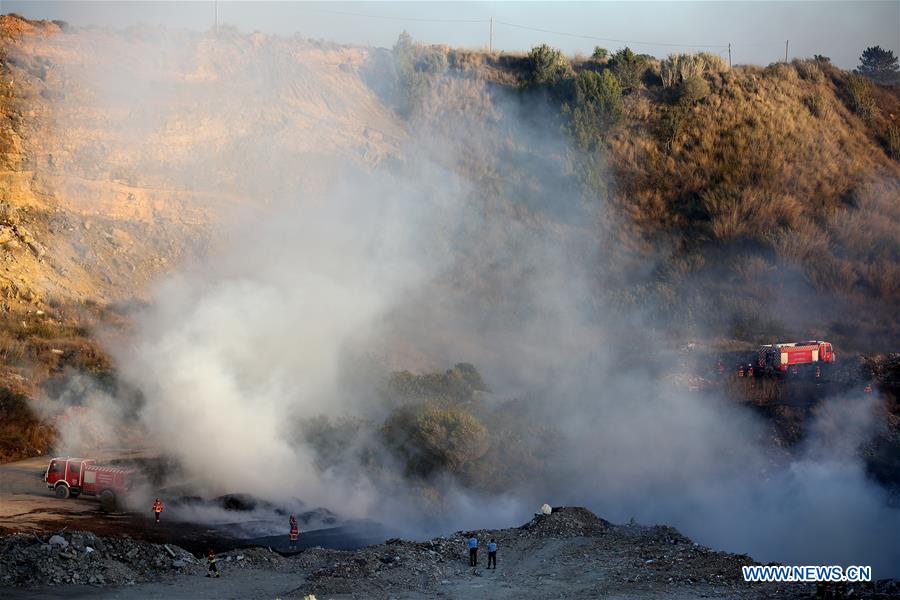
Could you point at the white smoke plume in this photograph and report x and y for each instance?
(302, 305)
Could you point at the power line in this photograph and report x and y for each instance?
(602, 39)
(392, 18)
(519, 26)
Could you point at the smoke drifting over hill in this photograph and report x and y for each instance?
(469, 245)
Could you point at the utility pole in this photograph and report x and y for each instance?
(729, 55)
(491, 39)
(216, 3)
(785, 49)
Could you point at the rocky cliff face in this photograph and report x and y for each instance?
(119, 151)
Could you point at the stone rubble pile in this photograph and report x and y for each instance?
(565, 521)
(78, 557)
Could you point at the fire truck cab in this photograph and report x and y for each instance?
(71, 477)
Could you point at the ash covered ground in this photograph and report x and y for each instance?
(570, 553)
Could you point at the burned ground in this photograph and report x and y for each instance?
(570, 552)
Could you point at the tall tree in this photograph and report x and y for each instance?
(879, 64)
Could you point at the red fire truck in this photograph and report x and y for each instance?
(74, 476)
(794, 355)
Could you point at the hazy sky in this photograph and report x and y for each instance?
(756, 30)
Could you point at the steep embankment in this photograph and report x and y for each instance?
(121, 152)
(126, 147)
(778, 193)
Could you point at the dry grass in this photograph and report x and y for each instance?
(777, 161)
(682, 67)
(37, 349)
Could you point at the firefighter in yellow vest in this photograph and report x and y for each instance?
(157, 508)
(295, 532)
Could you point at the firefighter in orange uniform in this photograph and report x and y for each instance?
(157, 508)
(211, 564)
(295, 532)
(868, 388)
(741, 371)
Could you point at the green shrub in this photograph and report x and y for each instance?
(600, 54)
(628, 67)
(547, 66)
(433, 62)
(414, 67)
(457, 384)
(670, 126)
(692, 90)
(598, 106)
(336, 441)
(435, 438)
(879, 64)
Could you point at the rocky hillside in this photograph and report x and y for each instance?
(753, 203)
(119, 151)
(120, 155)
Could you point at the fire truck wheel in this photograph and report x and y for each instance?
(62, 492)
(108, 500)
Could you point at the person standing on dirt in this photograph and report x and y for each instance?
(492, 554)
(295, 532)
(211, 563)
(473, 551)
(157, 508)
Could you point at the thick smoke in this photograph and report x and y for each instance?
(470, 245)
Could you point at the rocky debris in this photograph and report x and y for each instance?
(631, 557)
(565, 521)
(26, 560)
(570, 548)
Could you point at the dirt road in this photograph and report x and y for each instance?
(27, 506)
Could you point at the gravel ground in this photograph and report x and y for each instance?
(570, 553)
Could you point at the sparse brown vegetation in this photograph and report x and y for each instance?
(860, 91)
(817, 103)
(21, 432)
